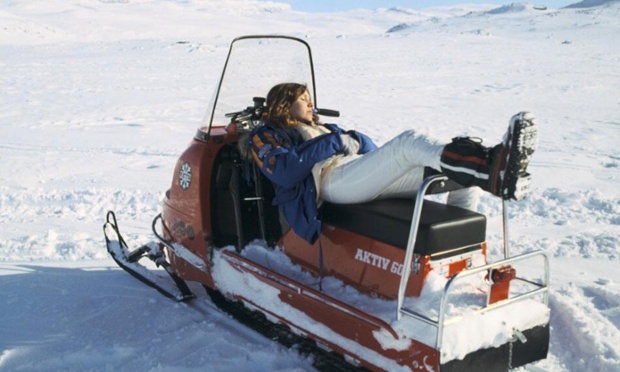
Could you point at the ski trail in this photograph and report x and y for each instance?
(585, 324)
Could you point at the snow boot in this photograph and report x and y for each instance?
(500, 170)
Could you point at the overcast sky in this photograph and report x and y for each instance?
(339, 5)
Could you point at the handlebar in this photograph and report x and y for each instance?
(257, 111)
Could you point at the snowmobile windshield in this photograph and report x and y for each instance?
(254, 65)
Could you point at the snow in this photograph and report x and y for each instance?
(99, 98)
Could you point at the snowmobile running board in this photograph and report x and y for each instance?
(128, 261)
(324, 358)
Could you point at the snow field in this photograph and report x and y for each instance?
(100, 97)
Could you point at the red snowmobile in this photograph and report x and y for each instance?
(395, 284)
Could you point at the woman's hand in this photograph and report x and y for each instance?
(350, 144)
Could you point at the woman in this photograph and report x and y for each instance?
(308, 161)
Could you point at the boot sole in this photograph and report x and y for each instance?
(522, 144)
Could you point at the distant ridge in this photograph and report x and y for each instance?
(592, 3)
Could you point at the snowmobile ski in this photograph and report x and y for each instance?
(128, 261)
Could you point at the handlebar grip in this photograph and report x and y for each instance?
(326, 112)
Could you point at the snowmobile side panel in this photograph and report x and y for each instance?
(324, 359)
(351, 331)
(354, 333)
(178, 227)
(371, 266)
(190, 190)
(186, 208)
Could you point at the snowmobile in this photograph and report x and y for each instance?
(394, 284)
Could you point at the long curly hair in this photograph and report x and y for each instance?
(279, 101)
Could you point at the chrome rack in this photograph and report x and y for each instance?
(439, 323)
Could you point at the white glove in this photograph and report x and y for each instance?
(351, 146)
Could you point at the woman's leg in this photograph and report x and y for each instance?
(407, 187)
(500, 170)
(466, 198)
(397, 166)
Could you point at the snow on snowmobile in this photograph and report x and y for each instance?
(394, 284)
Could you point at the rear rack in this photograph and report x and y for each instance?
(442, 320)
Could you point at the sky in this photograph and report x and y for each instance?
(341, 5)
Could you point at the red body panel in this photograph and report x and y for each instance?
(339, 317)
(370, 266)
(186, 208)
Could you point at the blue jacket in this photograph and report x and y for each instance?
(287, 160)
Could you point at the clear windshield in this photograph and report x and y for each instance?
(254, 65)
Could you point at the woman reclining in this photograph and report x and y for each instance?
(309, 162)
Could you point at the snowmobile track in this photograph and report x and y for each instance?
(324, 360)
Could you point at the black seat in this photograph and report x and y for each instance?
(443, 228)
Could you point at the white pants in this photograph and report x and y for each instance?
(394, 170)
